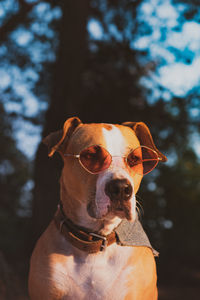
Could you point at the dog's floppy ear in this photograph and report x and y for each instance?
(143, 134)
(56, 141)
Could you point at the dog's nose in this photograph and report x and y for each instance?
(118, 189)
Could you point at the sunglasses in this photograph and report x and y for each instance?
(95, 159)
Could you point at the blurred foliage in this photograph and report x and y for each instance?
(49, 56)
(14, 174)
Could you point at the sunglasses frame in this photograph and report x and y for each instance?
(123, 156)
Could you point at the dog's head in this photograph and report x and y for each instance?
(104, 165)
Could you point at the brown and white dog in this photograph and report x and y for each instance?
(95, 200)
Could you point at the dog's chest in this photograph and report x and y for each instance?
(100, 276)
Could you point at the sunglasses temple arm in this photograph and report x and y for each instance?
(150, 159)
(74, 155)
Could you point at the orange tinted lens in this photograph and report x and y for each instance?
(95, 159)
(134, 160)
(142, 160)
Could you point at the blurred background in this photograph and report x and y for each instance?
(104, 61)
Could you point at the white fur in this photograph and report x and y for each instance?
(117, 147)
(115, 142)
(88, 277)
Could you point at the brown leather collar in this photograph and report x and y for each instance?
(81, 238)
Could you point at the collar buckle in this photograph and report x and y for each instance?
(103, 238)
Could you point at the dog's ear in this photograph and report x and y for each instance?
(57, 141)
(143, 134)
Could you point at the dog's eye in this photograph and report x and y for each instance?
(133, 160)
(92, 153)
(95, 159)
(89, 155)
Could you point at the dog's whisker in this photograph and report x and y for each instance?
(139, 209)
(140, 206)
(140, 198)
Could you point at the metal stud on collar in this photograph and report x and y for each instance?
(103, 238)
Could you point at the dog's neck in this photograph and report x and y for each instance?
(78, 214)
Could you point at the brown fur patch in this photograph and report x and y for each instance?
(107, 126)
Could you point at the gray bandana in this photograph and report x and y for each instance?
(133, 234)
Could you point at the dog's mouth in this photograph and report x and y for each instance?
(122, 210)
(119, 209)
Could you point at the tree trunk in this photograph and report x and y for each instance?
(65, 102)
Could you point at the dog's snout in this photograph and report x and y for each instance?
(118, 189)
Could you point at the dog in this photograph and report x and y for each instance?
(95, 247)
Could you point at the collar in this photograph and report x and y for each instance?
(126, 234)
(80, 237)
